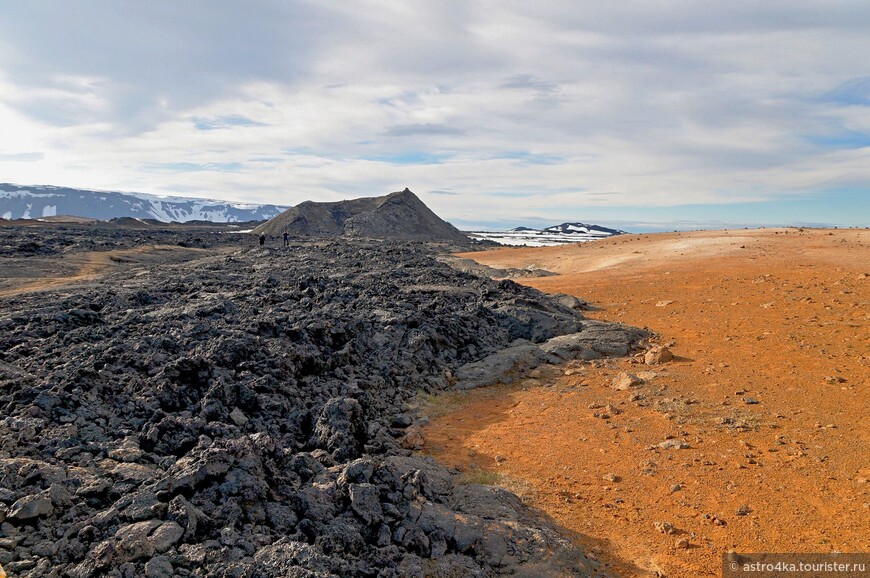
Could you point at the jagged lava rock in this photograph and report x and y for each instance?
(242, 415)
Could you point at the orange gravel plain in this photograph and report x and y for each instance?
(769, 391)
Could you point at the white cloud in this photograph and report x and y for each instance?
(519, 109)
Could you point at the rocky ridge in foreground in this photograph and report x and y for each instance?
(243, 415)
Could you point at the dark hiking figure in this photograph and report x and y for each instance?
(286, 239)
(262, 239)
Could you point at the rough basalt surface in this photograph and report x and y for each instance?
(241, 415)
(397, 216)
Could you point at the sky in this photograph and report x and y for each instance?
(662, 115)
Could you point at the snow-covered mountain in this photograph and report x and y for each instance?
(583, 229)
(555, 235)
(35, 202)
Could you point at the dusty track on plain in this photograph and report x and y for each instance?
(91, 265)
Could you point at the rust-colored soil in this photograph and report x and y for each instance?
(777, 317)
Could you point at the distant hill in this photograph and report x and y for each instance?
(583, 229)
(42, 201)
(555, 235)
(399, 215)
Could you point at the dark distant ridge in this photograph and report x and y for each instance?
(400, 215)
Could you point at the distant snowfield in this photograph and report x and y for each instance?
(543, 238)
(34, 201)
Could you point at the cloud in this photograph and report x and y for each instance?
(409, 158)
(193, 167)
(530, 158)
(402, 130)
(516, 109)
(22, 157)
(527, 81)
(156, 59)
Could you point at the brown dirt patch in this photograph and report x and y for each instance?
(86, 266)
(778, 317)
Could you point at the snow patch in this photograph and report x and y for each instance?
(49, 211)
(24, 193)
(556, 235)
(110, 204)
(534, 239)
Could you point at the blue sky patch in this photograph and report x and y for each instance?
(530, 158)
(855, 92)
(409, 158)
(219, 122)
(844, 140)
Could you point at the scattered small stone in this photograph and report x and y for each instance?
(611, 477)
(666, 528)
(742, 510)
(624, 381)
(658, 354)
(413, 438)
(673, 445)
(682, 543)
(238, 416)
(664, 302)
(832, 379)
(401, 420)
(676, 488)
(30, 507)
(750, 401)
(128, 451)
(159, 567)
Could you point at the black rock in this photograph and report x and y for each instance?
(340, 429)
(239, 415)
